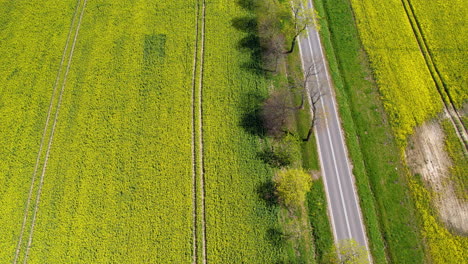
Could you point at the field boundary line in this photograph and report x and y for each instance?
(200, 134)
(442, 89)
(44, 133)
(194, 161)
(44, 168)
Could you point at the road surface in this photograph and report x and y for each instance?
(342, 199)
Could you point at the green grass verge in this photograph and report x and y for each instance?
(318, 216)
(388, 212)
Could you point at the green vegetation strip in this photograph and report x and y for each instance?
(318, 217)
(388, 212)
(237, 219)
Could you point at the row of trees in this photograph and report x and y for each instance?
(279, 26)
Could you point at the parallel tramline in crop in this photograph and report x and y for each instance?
(199, 223)
(118, 168)
(34, 38)
(66, 54)
(449, 103)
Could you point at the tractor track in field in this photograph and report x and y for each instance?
(200, 133)
(194, 161)
(52, 132)
(44, 133)
(449, 105)
(198, 177)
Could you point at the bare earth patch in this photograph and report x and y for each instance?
(426, 156)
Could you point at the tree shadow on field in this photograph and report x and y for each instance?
(247, 24)
(277, 237)
(267, 192)
(251, 43)
(248, 5)
(275, 157)
(251, 120)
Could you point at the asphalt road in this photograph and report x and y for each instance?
(336, 169)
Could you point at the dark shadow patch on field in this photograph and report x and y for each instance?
(275, 158)
(276, 237)
(248, 5)
(267, 192)
(247, 24)
(251, 120)
(251, 43)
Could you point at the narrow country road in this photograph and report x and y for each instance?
(337, 174)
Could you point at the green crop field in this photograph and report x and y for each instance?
(122, 137)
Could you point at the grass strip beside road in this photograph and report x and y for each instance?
(318, 217)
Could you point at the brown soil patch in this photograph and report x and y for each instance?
(426, 156)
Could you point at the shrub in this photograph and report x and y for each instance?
(292, 186)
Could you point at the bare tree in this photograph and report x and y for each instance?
(315, 96)
(301, 87)
(302, 18)
(276, 112)
(309, 88)
(278, 109)
(270, 33)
